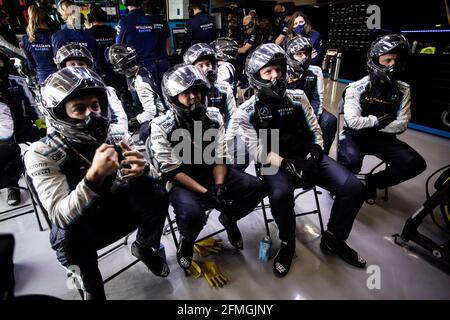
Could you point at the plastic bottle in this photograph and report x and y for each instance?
(264, 249)
(162, 251)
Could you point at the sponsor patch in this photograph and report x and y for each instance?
(40, 172)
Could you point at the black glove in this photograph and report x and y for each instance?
(305, 170)
(294, 167)
(133, 124)
(310, 172)
(216, 196)
(384, 120)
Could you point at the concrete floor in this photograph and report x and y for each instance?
(405, 272)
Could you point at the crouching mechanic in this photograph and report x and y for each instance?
(195, 166)
(304, 76)
(94, 191)
(75, 54)
(376, 110)
(299, 158)
(142, 85)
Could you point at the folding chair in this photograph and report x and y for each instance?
(15, 212)
(70, 273)
(317, 210)
(362, 175)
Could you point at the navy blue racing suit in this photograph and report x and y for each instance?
(299, 132)
(86, 219)
(244, 190)
(365, 103)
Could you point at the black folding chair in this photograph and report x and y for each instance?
(70, 274)
(32, 206)
(317, 210)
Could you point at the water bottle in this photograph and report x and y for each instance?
(264, 249)
(162, 251)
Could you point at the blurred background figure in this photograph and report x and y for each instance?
(200, 28)
(8, 39)
(37, 43)
(300, 25)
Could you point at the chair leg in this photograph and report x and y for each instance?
(266, 221)
(33, 203)
(172, 231)
(319, 212)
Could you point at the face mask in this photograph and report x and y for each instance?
(276, 90)
(97, 126)
(299, 29)
(197, 111)
(211, 75)
(279, 87)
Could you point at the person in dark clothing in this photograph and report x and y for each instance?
(376, 110)
(95, 187)
(148, 33)
(300, 25)
(72, 32)
(252, 39)
(232, 29)
(8, 39)
(200, 178)
(309, 78)
(295, 158)
(105, 36)
(37, 44)
(200, 28)
(6, 31)
(18, 113)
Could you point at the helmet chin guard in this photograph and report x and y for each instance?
(263, 56)
(76, 82)
(179, 79)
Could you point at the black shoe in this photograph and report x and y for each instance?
(151, 259)
(283, 259)
(13, 196)
(340, 248)
(184, 253)
(234, 235)
(370, 190)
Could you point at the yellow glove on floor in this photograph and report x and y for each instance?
(212, 274)
(208, 246)
(195, 269)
